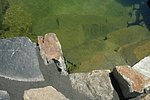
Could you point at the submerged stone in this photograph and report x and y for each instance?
(4, 95)
(18, 60)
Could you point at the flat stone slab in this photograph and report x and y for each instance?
(46, 93)
(4, 95)
(96, 84)
(18, 60)
(146, 97)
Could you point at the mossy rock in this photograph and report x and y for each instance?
(128, 35)
(132, 53)
(101, 60)
(97, 55)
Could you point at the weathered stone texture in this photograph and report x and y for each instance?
(49, 46)
(46, 93)
(18, 60)
(143, 66)
(146, 97)
(131, 82)
(96, 84)
(4, 95)
(50, 50)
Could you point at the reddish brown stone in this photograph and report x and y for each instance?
(50, 46)
(131, 82)
(50, 49)
(137, 80)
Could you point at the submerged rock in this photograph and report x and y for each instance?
(96, 84)
(131, 82)
(46, 93)
(18, 60)
(50, 50)
(134, 52)
(4, 95)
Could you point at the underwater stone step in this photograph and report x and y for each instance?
(18, 60)
(146, 97)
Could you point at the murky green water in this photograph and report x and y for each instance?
(95, 34)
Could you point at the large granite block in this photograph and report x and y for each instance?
(18, 60)
(96, 84)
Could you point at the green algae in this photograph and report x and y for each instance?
(93, 33)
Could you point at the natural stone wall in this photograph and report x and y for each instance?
(24, 76)
(25, 66)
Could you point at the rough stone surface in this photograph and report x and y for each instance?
(143, 66)
(18, 60)
(50, 49)
(96, 84)
(52, 78)
(4, 95)
(46, 93)
(147, 97)
(130, 81)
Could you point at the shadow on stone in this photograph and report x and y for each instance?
(52, 78)
(116, 87)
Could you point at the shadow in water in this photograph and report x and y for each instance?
(140, 12)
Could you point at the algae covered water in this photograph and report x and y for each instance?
(95, 34)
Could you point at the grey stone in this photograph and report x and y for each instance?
(18, 60)
(46, 93)
(96, 84)
(4, 95)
